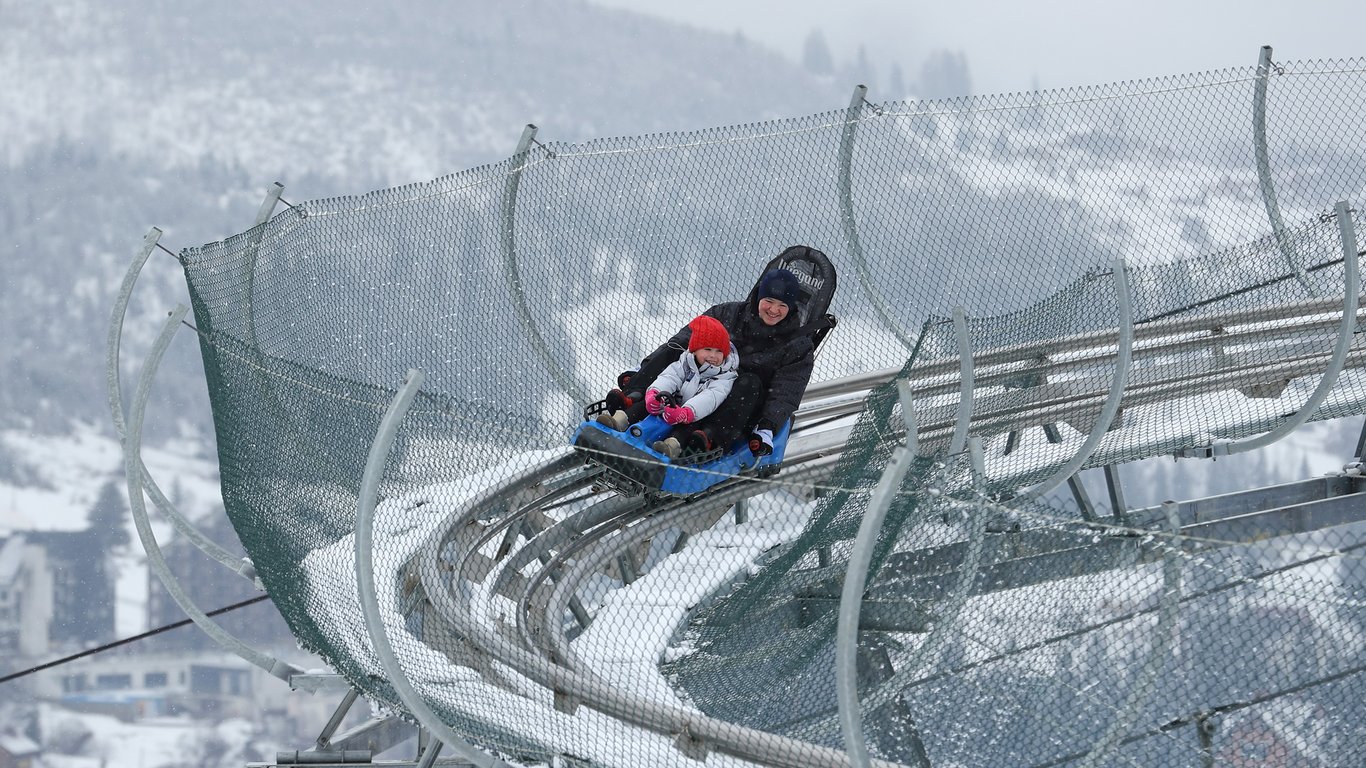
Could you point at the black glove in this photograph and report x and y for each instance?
(624, 379)
(758, 446)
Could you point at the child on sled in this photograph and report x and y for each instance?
(690, 389)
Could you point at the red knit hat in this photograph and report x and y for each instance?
(708, 332)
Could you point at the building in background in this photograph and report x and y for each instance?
(210, 686)
(18, 751)
(82, 588)
(26, 600)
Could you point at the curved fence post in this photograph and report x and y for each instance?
(262, 216)
(1107, 413)
(1273, 208)
(365, 577)
(132, 464)
(969, 571)
(112, 346)
(966, 387)
(851, 236)
(855, 576)
(508, 241)
(267, 208)
(1167, 615)
(1346, 332)
(239, 565)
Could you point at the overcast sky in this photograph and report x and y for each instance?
(1012, 44)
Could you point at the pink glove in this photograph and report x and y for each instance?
(678, 414)
(652, 403)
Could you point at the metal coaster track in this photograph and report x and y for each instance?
(482, 609)
(559, 520)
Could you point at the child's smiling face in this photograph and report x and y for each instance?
(710, 356)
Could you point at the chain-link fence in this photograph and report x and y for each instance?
(1068, 280)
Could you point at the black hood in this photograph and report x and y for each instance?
(790, 326)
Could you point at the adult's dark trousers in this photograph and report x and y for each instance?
(635, 408)
(735, 417)
(642, 379)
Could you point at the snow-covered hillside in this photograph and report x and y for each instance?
(377, 96)
(117, 119)
(56, 480)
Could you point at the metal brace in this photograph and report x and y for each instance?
(691, 746)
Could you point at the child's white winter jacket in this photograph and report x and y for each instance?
(702, 389)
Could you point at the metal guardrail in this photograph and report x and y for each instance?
(1163, 356)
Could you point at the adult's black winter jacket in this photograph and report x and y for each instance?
(782, 355)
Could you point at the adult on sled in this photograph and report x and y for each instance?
(777, 354)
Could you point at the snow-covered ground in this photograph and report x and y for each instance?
(624, 644)
(101, 741)
(63, 476)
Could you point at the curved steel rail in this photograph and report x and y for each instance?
(592, 691)
(607, 512)
(239, 565)
(132, 463)
(564, 539)
(536, 621)
(850, 224)
(609, 544)
(365, 578)
(555, 540)
(550, 609)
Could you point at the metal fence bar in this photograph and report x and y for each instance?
(1346, 333)
(257, 232)
(365, 578)
(132, 464)
(1273, 207)
(957, 596)
(239, 565)
(850, 224)
(508, 242)
(965, 382)
(856, 575)
(115, 337)
(1107, 414)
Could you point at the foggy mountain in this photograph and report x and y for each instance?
(151, 114)
(115, 119)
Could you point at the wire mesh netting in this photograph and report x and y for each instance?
(1067, 280)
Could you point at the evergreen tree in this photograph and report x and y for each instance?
(108, 519)
(863, 70)
(944, 75)
(897, 84)
(816, 55)
(83, 572)
(82, 588)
